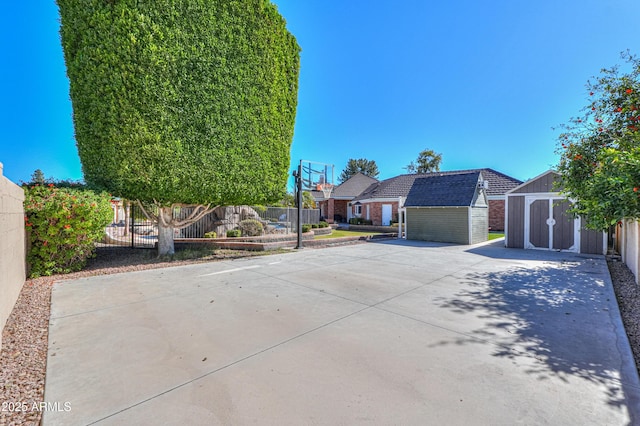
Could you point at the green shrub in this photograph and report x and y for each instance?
(63, 225)
(315, 226)
(306, 228)
(211, 234)
(359, 221)
(324, 224)
(251, 228)
(259, 209)
(232, 233)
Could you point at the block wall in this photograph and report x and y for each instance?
(12, 247)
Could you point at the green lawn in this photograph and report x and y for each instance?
(343, 233)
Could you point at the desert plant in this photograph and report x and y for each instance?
(233, 233)
(62, 226)
(251, 227)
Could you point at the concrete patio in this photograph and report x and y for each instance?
(391, 332)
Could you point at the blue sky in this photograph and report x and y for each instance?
(482, 83)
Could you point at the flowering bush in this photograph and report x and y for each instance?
(62, 225)
(600, 150)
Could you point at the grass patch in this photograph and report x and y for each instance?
(337, 233)
(495, 235)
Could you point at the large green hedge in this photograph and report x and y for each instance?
(188, 101)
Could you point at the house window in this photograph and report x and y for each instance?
(357, 210)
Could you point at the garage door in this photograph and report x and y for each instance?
(549, 225)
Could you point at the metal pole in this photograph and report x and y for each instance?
(298, 176)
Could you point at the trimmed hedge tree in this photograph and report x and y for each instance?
(182, 101)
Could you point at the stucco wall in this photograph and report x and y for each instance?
(629, 245)
(12, 246)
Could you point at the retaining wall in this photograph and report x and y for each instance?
(12, 247)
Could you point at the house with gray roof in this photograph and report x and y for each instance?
(336, 207)
(380, 201)
(449, 208)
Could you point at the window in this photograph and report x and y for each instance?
(357, 209)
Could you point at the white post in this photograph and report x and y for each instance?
(399, 218)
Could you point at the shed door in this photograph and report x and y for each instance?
(548, 225)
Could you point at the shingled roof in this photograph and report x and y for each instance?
(348, 189)
(443, 190)
(395, 187)
(399, 186)
(353, 186)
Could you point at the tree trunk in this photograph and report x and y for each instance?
(127, 216)
(165, 231)
(167, 223)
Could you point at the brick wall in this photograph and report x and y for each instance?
(12, 247)
(340, 208)
(496, 215)
(375, 211)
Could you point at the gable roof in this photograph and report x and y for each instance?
(547, 180)
(348, 189)
(395, 187)
(499, 183)
(399, 186)
(446, 190)
(353, 186)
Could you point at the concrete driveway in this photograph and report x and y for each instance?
(391, 332)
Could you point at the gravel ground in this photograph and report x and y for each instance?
(24, 349)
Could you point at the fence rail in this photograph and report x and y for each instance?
(132, 229)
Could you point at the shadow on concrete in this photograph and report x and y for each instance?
(411, 243)
(560, 319)
(494, 249)
(497, 250)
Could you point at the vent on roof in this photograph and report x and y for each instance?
(483, 184)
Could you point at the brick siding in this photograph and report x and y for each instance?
(496, 215)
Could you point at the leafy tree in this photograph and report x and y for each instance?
(307, 200)
(600, 149)
(38, 178)
(361, 165)
(182, 102)
(289, 200)
(428, 161)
